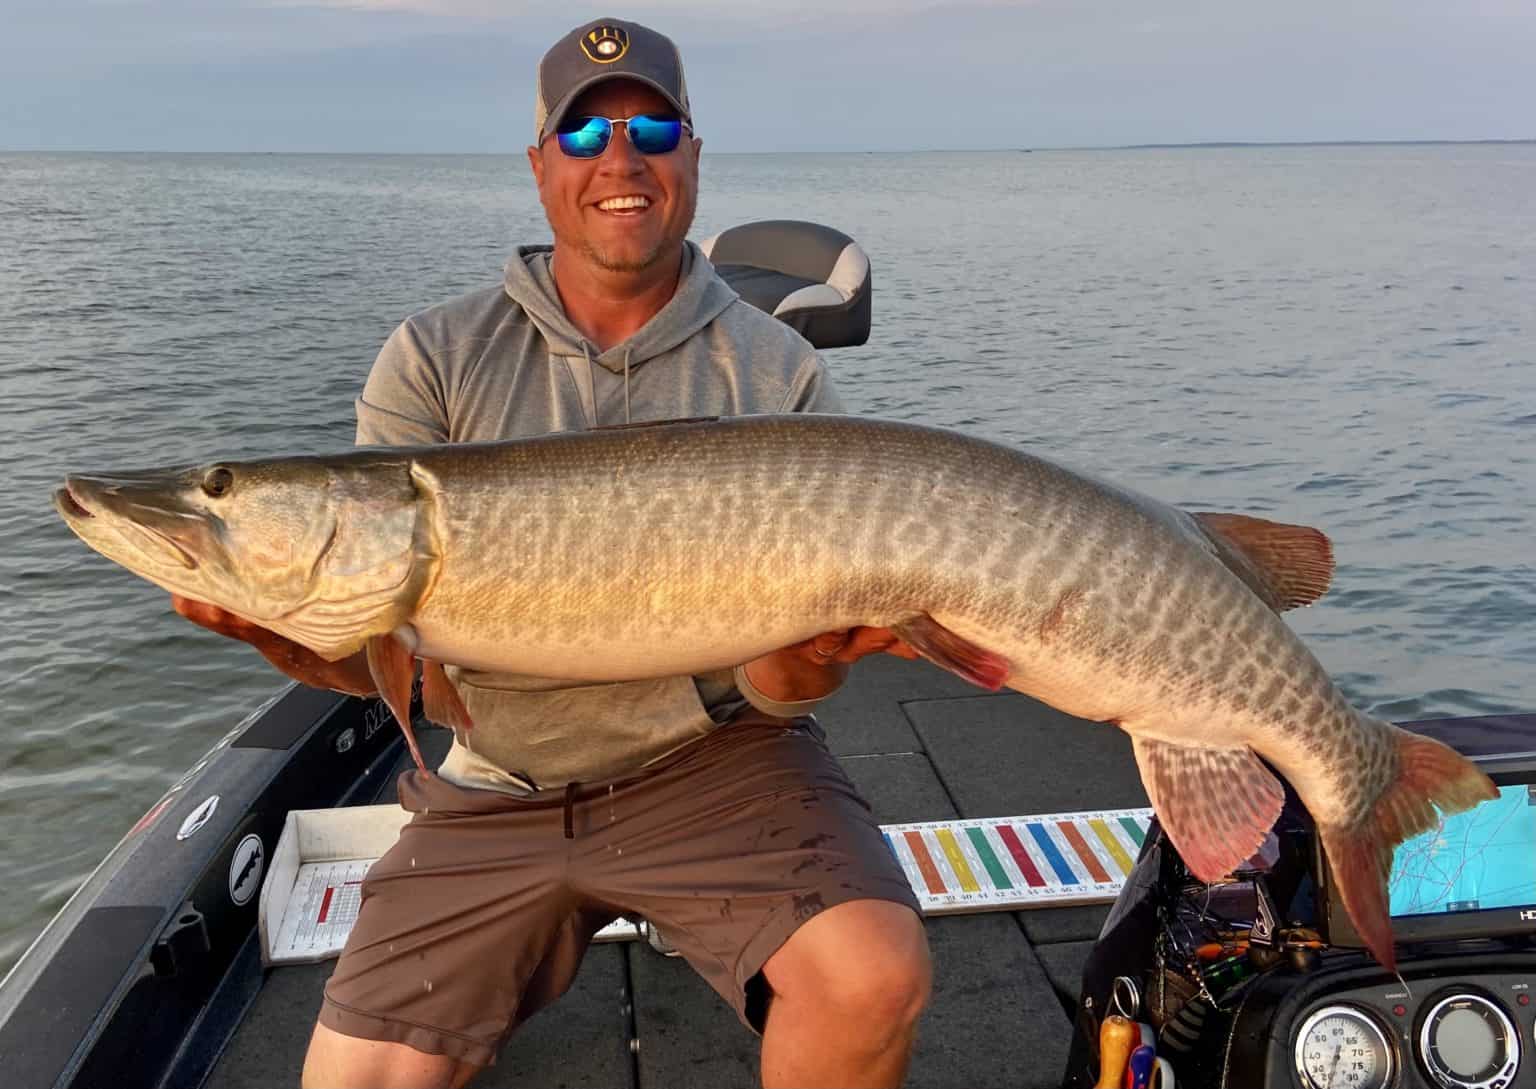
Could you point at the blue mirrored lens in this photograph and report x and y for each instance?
(584, 137)
(653, 135)
(587, 137)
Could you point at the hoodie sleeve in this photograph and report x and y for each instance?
(811, 390)
(403, 403)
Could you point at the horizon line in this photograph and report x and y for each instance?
(1152, 146)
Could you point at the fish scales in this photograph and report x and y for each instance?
(607, 547)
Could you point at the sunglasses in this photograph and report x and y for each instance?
(649, 134)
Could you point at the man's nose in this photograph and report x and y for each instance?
(620, 154)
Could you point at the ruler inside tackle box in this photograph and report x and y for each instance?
(311, 894)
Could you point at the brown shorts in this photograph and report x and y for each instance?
(480, 913)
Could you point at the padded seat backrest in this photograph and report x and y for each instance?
(811, 277)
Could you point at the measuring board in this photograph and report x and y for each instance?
(1019, 862)
(321, 909)
(993, 864)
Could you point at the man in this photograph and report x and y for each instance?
(568, 804)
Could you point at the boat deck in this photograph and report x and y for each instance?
(921, 745)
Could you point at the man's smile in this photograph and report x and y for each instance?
(627, 205)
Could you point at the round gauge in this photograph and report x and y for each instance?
(1341, 1047)
(1467, 1042)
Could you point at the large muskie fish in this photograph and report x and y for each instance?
(689, 546)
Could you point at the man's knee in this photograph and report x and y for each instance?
(866, 959)
(335, 1061)
(892, 991)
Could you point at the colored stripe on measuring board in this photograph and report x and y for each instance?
(1018, 862)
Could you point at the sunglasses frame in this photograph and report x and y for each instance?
(615, 122)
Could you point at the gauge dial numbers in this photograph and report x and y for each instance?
(1467, 1042)
(1342, 1047)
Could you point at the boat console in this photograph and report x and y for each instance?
(1261, 983)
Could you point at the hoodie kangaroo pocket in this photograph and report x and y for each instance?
(583, 733)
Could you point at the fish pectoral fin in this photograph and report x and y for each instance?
(1288, 565)
(1217, 805)
(961, 657)
(440, 700)
(394, 672)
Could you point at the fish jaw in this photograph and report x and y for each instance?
(136, 521)
(328, 552)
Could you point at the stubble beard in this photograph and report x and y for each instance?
(612, 262)
(609, 262)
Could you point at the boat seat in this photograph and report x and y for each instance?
(813, 278)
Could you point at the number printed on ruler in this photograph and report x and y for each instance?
(323, 906)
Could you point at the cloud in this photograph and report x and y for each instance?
(449, 75)
(660, 13)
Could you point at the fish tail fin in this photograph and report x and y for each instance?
(1429, 774)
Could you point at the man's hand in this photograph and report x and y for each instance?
(815, 667)
(848, 645)
(299, 662)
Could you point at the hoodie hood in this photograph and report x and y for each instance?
(700, 298)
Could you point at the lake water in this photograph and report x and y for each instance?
(1341, 336)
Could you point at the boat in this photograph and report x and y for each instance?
(152, 975)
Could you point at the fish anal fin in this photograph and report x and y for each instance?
(1217, 805)
(440, 699)
(394, 671)
(1292, 565)
(1360, 858)
(961, 657)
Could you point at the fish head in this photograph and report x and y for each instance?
(315, 549)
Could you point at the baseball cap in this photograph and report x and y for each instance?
(606, 49)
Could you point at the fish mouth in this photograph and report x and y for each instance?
(69, 505)
(185, 558)
(92, 507)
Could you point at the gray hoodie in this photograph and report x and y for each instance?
(507, 363)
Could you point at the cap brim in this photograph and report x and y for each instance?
(557, 113)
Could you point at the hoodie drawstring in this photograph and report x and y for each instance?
(588, 391)
(626, 384)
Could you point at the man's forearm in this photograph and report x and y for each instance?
(789, 676)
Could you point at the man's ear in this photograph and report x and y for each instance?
(536, 164)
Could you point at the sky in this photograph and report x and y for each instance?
(445, 76)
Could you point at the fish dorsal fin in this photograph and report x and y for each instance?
(1285, 565)
(1217, 805)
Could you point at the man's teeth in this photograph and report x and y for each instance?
(615, 204)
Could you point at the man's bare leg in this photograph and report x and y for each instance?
(848, 988)
(336, 1061)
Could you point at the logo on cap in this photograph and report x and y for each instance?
(605, 44)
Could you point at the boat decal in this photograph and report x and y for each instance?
(245, 869)
(198, 817)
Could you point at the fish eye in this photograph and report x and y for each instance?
(218, 481)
